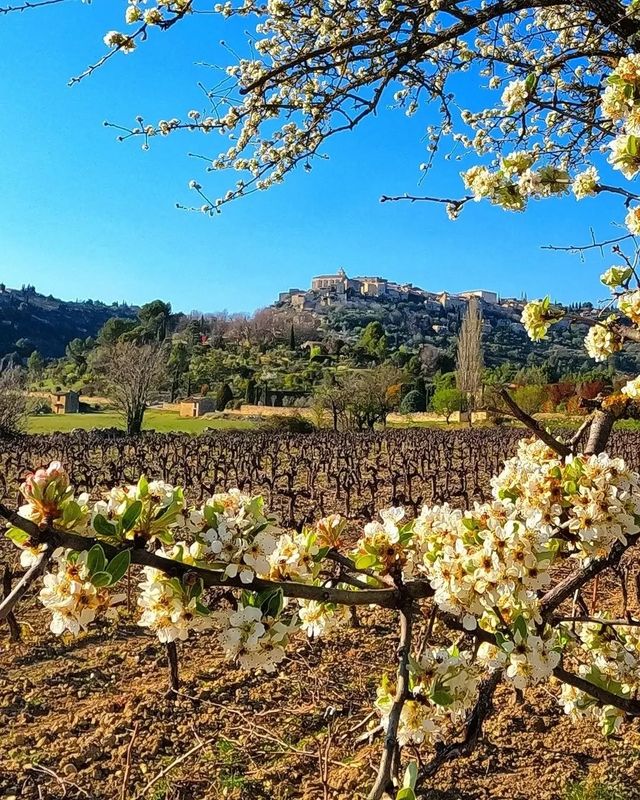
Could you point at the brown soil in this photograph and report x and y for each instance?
(74, 713)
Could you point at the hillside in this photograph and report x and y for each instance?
(414, 319)
(30, 321)
(412, 325)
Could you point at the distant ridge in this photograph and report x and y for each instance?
(30, 321)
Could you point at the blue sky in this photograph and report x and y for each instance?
(84, 216)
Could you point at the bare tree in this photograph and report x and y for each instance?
(363, 397)
(132, 372)
(14, 403)
(470, 362)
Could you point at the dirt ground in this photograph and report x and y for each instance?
(88, 718)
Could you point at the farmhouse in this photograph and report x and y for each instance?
(65, 402)
(197, 406)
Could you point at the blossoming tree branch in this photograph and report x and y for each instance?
(561, 87)
(485, 576)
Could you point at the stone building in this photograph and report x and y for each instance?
(65, 402)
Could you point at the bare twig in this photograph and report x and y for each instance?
(27, 6)
(383, 782)
(457, 203)
(62, 781)
(595, 245)
(127, 766)
(21, 588)
(175, 763)
(172, 662)
(12, 622)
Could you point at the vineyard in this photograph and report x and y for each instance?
(302, 476)
(90, 716)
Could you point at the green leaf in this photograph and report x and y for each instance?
(406, 794)
(176, 585)
(96, 560)
(248, 598)
(17, 536)
(166, 537)
(272, 604)
(178, 553)
(321, 554)
(143, 486)
(104, 528)
(530, 82)
(70, 512)
(197, 589)
(202, 609)
(366, 562)
(410, 776)
(441, 698)
(101, 579)
(520, 626)
(118, 566)
(131, 516)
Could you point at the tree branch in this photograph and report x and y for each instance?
(626, 704)
(383, 782)
(599, 432)
(473, 730)
(567, 587)
(559, 447)
(385, 598)
(19, 590)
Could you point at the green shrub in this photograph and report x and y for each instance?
(288, 424)
(447, 401)
(223, 397)
(41, 406)
(413, 402)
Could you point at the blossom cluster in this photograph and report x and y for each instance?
(77, 591)
(49, 500)
(254, 634)
(148, 511)
(538, 316)
(609, 656)
(169, 607)
(515, 182)
(442, 688)
(318, 620)
(383, 546)
(594, 500)
(139, 13)
(235, 534)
